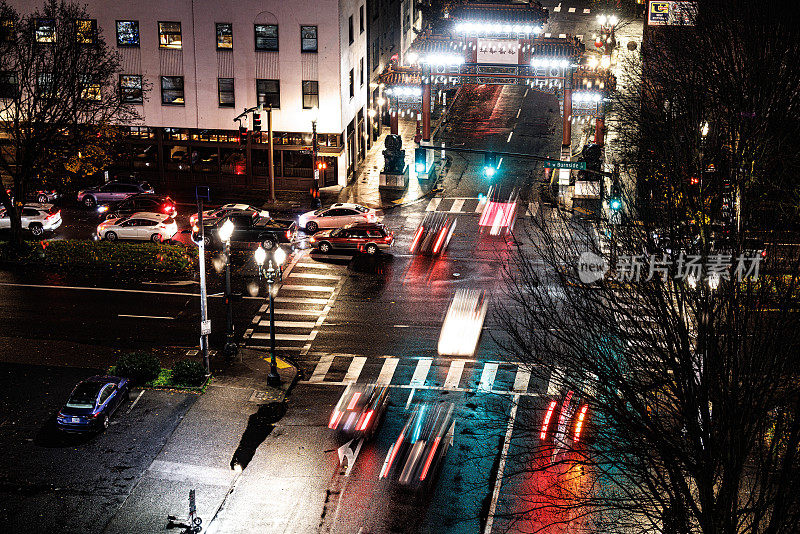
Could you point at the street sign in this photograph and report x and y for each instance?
(316, 175)
(306, 151)
(205, 327)
(574, 165)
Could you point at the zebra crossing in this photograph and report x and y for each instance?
(424, 373)
(456, 205)
(302, 302)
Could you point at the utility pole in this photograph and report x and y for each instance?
(205, 324)
(270, 155)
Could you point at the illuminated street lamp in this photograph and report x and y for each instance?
(271, 275)
(225, 232)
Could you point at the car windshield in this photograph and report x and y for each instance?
(168, 220)
(362, 209)
(146, 186)
(84, 395)
(336, 232)
(320, 211)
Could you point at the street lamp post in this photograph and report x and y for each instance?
(225, 233)
(273, 379)
(315, 151)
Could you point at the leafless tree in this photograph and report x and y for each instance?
(691, 378)
(59, 93)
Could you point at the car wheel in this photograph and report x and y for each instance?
(324, 247)
(89, 201)
(36, 229)
(268, 243)
(42, 199)
(111, 236)
(155, 238)
(106, 422)
(371, 249)
(312, 227)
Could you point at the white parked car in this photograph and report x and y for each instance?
(38, 218)
(336, 216)
(143, 226)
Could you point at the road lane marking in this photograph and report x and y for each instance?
(457, 205)
(487, 376)
(512, 415)
(355, 369)
(139, 396)
(387, 371)
(571, 10)
(114, 289)
(146, 316)
(454, 374)
(421, 372)
(410, 396)
(290, 324)
(321, 369)
(313, 265)
(557, 8)
(555, 382)
(562, 35)
(313, 289)
(301, 300)
(508, 140)
(522, 380)
(316, 276)
(280, 337)
(533, 208)
(433, 205)
(429, 388)
(586, 11)
(518, 112)
(286, 311)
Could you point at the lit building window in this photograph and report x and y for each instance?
(224, 36)
(268, 93)
(86, 31)
(169, 35)
(227, 98)
(172, 90)
(310, 94)
(130, 87)
(127, 33)
(45, 31)
(267, 37)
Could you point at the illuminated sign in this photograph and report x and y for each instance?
(672, 13)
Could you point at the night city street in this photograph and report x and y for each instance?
(399, 267)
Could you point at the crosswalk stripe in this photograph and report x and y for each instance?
(314, 265)
(280, 337)
(571, 10)
(487, 376)
(309, 313)
(301, 300)
(522, 379)
(454, 374)
(433, 204)
(315, 276)
(321, 369)
(290, 324)
(421, 372)
(555, 382)
(480, 207)
(387, 371)
(355, 369)
(457, 205)
(313, 289)
(277, 347)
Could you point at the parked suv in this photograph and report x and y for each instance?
(369, 238)
(112, 192)
(38, 218)
(145, 202)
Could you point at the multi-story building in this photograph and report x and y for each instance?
(205, 61)
(393, 26)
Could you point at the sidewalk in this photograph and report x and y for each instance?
(364, 188)
(211, 446)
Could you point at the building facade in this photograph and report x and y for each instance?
(192, 66)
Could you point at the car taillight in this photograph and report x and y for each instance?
(579, 424)
(336, 416)
(547, 417)
(430, 458)
(416, 237)
(312, 240)
(53, 215)
(288, 234)
(364, 421)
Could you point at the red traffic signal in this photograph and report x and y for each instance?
(321, 165)
(256, 122)
(242, 135)
(694, 180)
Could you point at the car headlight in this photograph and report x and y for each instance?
(102, 209)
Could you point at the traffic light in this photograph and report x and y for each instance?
(420, 160)
(490, 165)
(242, 135)
(321, 165)
(614, 203)
(256, 122)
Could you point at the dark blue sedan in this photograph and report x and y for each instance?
(92, 402)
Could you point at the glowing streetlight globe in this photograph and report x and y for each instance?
(280, 256)
(226, 230)
(261, 256)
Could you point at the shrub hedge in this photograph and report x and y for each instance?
(188, 373)
(140, 366)
(79, 255)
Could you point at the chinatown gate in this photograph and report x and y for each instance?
(498, 44)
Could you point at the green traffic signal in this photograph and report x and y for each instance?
(420, 160)
(615, 204)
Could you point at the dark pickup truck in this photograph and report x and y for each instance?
(248, 229)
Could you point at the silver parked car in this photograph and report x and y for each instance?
(111, 192)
